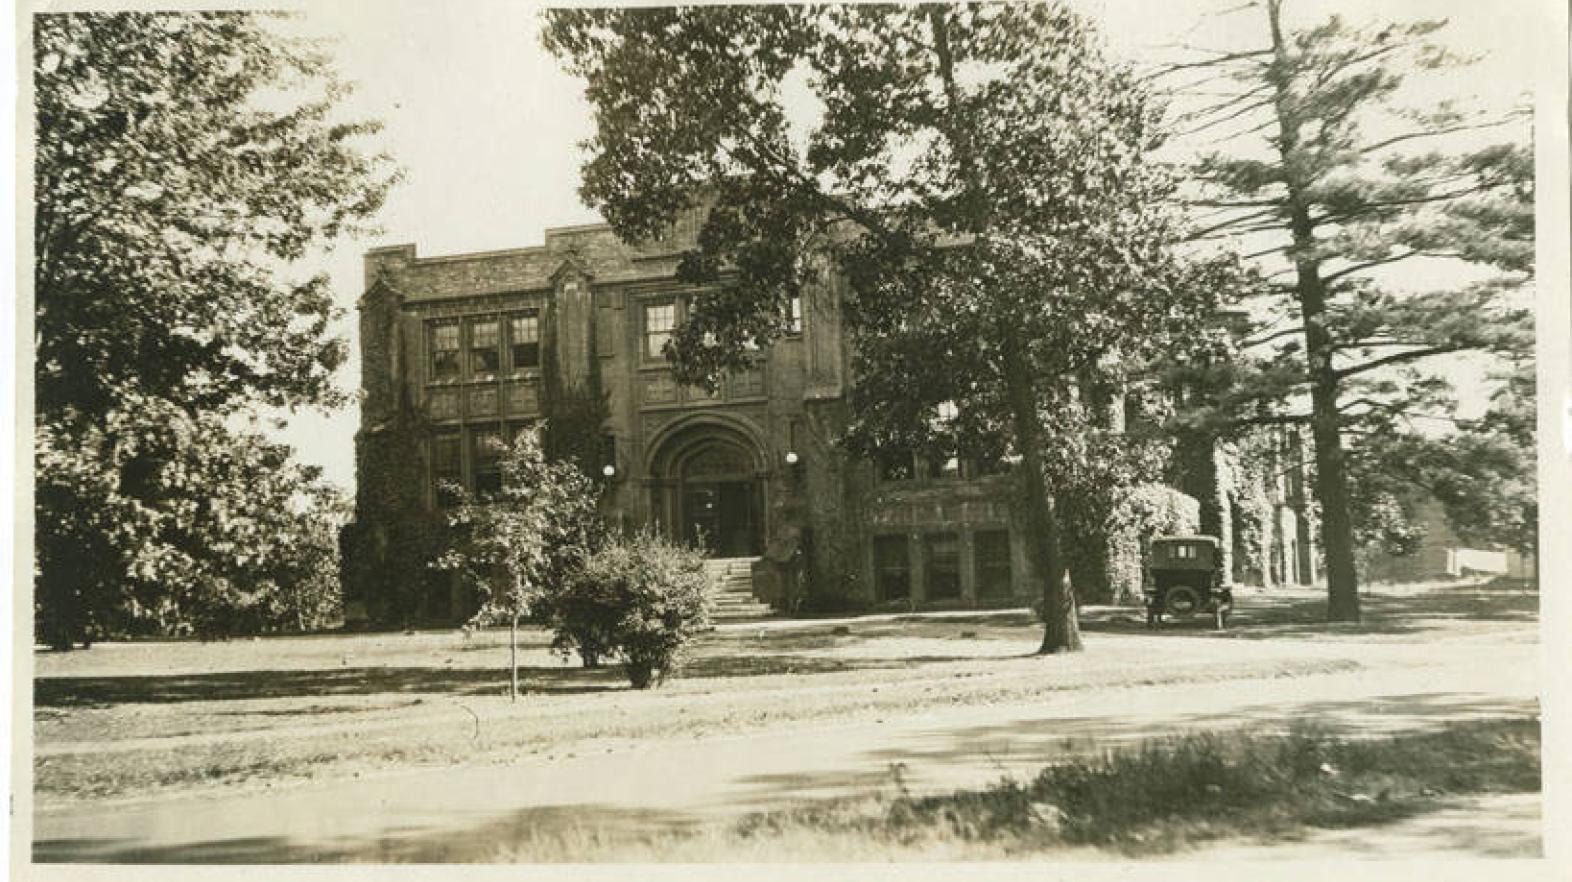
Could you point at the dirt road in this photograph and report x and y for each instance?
(612, 789)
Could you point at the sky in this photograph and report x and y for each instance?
(486, 126)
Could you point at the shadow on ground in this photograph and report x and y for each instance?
(548, 833)
(1024, 746)
(1057, 738)
(1259, 617)
(251, 685)
(87, 692)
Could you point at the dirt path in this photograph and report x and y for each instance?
(611, 790)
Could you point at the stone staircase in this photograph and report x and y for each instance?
(732, 581)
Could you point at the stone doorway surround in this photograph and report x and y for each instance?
(708, 484)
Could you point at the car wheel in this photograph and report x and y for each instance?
(1182, 600)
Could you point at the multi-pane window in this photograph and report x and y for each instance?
(896, 465)
(794, 315)
(447, 468)
(942, 562)
(991, 560)
(892, 568)
(524, 340)
(484, 348)
(659, 320)
(486, 453)
(444, 340)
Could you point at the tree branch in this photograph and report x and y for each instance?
(1204, 232)
(1222, 58)
(1396, 358)
(1277, 335)
(1369, 264)
(1431, 133)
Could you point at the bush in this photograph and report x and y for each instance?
(640, 599)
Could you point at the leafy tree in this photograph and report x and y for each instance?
(517, 546)
(1482, 473)
(1327, 177)
(975, 172)
(174, 184)
(216, 539)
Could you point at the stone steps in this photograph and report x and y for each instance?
(732, 594)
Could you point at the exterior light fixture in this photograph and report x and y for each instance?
(791, 457)
(609, 470)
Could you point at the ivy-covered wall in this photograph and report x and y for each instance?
(1108, 560)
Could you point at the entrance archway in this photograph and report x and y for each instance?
(713, 491)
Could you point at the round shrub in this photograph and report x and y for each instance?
(640, 599)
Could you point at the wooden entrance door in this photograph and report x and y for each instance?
(721, 501)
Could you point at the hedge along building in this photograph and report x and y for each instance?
(461, 351)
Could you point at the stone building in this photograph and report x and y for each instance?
(462, 349)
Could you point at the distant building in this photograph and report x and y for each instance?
(1442, 554)
(459, 350)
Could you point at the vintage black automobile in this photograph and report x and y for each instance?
(1186, 578)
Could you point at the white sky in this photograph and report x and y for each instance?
(486, 127)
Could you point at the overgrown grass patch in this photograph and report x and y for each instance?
(1167, 794)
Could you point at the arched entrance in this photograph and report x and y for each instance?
(713, 491)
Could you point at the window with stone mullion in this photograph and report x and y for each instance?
(444, 337)
(485, 348)
(524, 340)
(660, 319)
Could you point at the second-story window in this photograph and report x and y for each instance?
(524, 340)
(896, 465)
(659, 320)
(484, 348)
(794, 315)
(444, 350)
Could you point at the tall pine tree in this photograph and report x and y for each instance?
(1352, 198)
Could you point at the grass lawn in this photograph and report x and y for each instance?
(1156, 798)
(150, 719)
(133, 720)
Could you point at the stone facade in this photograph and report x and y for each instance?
(456, 350)
(460, 349)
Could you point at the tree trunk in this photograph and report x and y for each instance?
(1331, 480)
(513, 658)
(1061, 628)
(64, 623)
(1331, 484)
(1062, 632)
